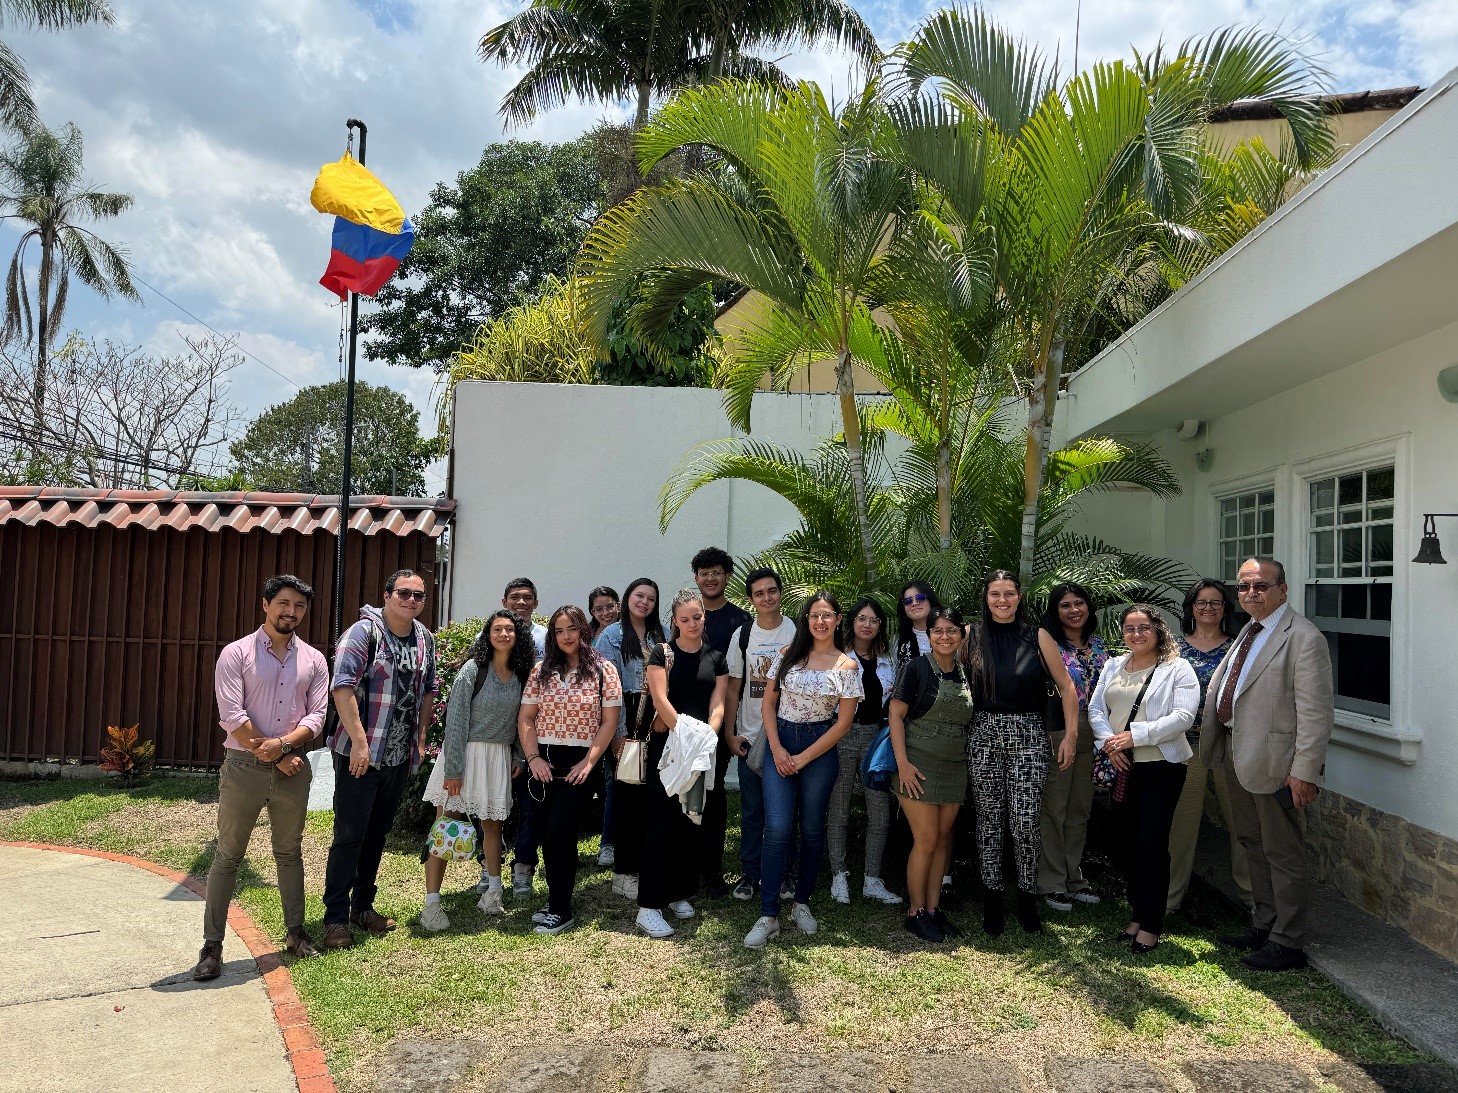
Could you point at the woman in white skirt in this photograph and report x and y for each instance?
(472, 777)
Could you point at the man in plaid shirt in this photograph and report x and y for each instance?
(384, 690)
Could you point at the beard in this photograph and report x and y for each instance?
(285, 626)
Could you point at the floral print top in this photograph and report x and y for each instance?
(1204, 665)
(1084, 666)
(807, 696)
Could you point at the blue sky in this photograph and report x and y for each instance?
(216, 118)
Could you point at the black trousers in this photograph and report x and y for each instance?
(630, 808)
(715, 823)
(672, 843)
(1147, 814)
(557, 819)
(364, 810)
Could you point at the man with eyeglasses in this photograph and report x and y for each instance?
(384, 691)
(1267, 721)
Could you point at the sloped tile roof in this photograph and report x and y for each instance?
(235, 511)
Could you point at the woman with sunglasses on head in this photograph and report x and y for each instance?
(1068, 798)
(569, 713)
(930, 712)
(625, 645)
(810, 699)
(1209, 626)
(865, 639)
(1143, 705)
(914, 607)
(1011, 663)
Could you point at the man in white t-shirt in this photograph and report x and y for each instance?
(752, 649)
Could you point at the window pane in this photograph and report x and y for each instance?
(1380, 512)
(1268, 521)
(1248, 522)
(1350, 516)
(1266, 498)
(1229, 527)
(1227, 505)
(1349, 490)
(1379, 544)
(1323, 552)
(1351, 547)
(1363, 667)
(1380, 484)
(1382, 601)
(1321, 599)
(1266, 545)
(1323, 519)
(1323, 494)
(1354, 601)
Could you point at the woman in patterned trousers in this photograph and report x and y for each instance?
(1011, 663)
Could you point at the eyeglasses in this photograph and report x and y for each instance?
(915, 597)
(1209, 605)
(1259, 588)
(867, 620)
(411, 594)
(1139, 629)
(819, 617)
(944, 632)
(604, 609)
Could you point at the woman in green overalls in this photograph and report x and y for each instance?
(930, 711)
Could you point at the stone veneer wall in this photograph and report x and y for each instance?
(1402, 873)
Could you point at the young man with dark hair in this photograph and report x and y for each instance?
(752, 649)
(712, 569)
(384, 690)
(520, 598)
(273, 692)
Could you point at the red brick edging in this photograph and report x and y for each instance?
(311, 1071)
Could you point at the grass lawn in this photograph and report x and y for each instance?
(860, 984)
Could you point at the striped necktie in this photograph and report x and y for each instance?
(1225, 708)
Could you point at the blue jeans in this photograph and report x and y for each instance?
(751, 819)
(810, 790)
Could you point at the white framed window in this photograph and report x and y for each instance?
(1245, 528)
(1349, 581)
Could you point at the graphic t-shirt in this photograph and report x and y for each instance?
(764, 647)
(404, 717)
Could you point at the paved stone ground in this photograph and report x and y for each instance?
(96, 991)
(417, 1066)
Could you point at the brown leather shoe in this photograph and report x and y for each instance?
(337, 936)
(299, 945)
(372, 921)
(210, 961)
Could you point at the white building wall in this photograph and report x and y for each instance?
(560, 483)
(1386, 403)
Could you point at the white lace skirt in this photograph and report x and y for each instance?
(485, 787)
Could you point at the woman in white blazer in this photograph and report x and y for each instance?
(1140, 710)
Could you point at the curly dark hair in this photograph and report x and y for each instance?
(1227, 617)
(589, 661)
(906, 644)
(1165, 646)
(803, 641)
(1051, 621)
(710, 557)
(523, 653)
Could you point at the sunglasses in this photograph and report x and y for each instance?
(1260, 588)
(915, 597)
(410, 594)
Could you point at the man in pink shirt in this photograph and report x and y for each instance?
(272, 691)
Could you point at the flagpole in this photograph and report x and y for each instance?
(345, 480)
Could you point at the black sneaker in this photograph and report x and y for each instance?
(1275, 957)
(943, 923)
(924, 926)
(1250, 941)
(1059, 901)
(745, 889)
(554, 924)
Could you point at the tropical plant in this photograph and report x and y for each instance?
(1091, 174)
(17, 107)
(41, 187)
(801, 214)
(127, 754)
(611, 50)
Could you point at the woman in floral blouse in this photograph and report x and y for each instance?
(810, 700)
(1072, 619)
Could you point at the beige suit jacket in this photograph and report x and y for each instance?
(1282, 716)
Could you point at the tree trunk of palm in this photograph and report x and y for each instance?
(1042, 401)
(43, 330)
(944, 494)
(645, 99)
(845, 388)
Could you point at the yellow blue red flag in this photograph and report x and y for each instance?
(372, 235)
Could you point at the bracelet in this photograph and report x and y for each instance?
(533, 755)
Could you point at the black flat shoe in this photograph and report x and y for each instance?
(943, 923)
(924, 926)
(1027, 912)
(1138, 948)
(1122, 938)
(994, 914)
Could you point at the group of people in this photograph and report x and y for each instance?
(1029, 715)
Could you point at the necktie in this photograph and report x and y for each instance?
(1225, 707)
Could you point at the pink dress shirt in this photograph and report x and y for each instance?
(277, 696)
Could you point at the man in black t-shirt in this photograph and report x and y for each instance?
(712, 568)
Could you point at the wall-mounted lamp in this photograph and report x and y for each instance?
(1448, 383)
(1430, 551)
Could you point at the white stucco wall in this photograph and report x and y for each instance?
(1386, 403)
(560, 483)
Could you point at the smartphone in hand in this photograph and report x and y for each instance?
(1283, 798)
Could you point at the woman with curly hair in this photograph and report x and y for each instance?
(1141, 709)
(473, 775)
(569, 712)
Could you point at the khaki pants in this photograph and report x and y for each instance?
(245, 788)
(1186, 830)
(1275, 843)
(1067, 801)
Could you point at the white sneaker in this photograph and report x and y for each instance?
(803, 918)
(682, 908)
(541, 916)
(625, 885)
(1086, 895)
(875, 888)
(434, 918)
(606, 856)
(652, 922)
(840, 888)
(483, 884)
(490, 902)
(521, 881)
(760, 933)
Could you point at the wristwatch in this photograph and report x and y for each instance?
(286, 746)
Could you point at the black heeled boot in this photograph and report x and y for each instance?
(1028, 917)
(993, 914)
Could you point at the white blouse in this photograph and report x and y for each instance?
(809, 695)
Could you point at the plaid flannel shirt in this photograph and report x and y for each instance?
(377, 699)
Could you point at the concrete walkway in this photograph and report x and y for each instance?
(96, 990)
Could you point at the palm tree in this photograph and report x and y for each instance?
(802, 214)
(1093, 175)
(610, 50)
(17, 108)
(42, 188)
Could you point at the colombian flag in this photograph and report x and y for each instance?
(371, 233)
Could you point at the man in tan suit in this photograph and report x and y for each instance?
(1268, 716)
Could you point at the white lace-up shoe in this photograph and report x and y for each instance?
(651, 922)
(434, 918)
(490, 902)
(682, 908)
(840, 888)
(875, 888)
(802, 918)
(761, 932)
